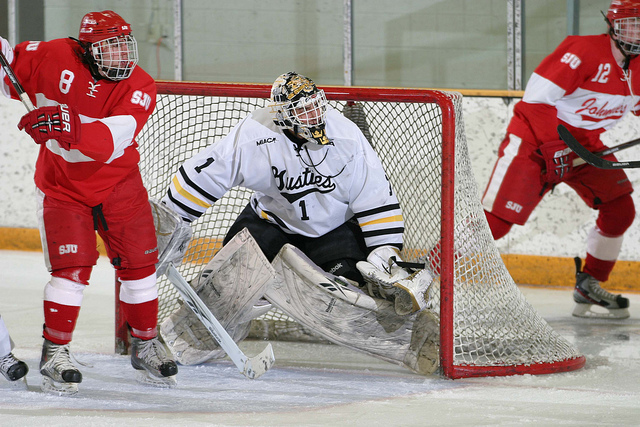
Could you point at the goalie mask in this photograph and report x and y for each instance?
(623, 18)
(110, 49)
(298, 105)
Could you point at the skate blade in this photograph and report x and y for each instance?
(19, 384)
(61, 389)
(144, 377)
(591, 311)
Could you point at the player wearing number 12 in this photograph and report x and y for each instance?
(587, 85)
(92, 100)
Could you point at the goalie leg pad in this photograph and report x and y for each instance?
(344, 314)
(231, 286)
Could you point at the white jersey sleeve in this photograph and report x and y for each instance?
(374, 202)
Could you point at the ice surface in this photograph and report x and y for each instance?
(311, 384)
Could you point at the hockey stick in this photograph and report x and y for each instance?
(580, 161)
(251, 367)
(16, 83)
(593, 158)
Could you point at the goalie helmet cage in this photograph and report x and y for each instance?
(487, 328)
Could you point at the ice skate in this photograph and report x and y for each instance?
(588, 294)
(59, 375)
(14, 370)
(152, 363)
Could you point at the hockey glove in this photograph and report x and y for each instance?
(381, 272)
(558, 160)
(387, 279)
(381, 267)
(59, 123)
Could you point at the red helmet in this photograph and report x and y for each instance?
(112, 48)
(623, 9)
(96, 26)
(624, 21)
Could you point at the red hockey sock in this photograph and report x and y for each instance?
(59, 322)
(143, 318)
(598, 268)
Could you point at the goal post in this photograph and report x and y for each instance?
(487, 328)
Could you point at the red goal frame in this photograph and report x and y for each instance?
(448, 132)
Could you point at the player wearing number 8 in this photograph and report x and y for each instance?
(91, 101)
(587, 85)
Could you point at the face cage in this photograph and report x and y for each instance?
(116, 57)
(307, 117)
(627, 32)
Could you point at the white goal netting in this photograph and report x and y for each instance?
(487, 326)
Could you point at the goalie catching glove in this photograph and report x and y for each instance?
(386, 278)
(59, 123)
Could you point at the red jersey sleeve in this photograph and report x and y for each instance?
(105, 139)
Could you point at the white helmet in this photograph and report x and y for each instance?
(298, 105)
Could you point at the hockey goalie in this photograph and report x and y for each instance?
(320, 238)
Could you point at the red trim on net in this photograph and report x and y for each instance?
(461, 371)
(353, 93)
(337, 93)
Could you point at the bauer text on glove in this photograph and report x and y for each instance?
(60, 123)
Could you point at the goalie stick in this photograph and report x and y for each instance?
(16, 83)
(251, 367)
(593, 158)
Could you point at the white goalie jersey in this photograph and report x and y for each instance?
(304, 189)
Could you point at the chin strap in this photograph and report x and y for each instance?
(88, 59)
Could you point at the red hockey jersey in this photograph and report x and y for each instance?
(581, 86)
(112, 114)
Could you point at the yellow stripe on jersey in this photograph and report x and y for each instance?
(395, 218)
(188, 195)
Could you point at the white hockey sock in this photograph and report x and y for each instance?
(603, 247)
(139, 291)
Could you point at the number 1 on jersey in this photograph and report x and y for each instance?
(303, 208)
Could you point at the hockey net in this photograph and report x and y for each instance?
(487, 326)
